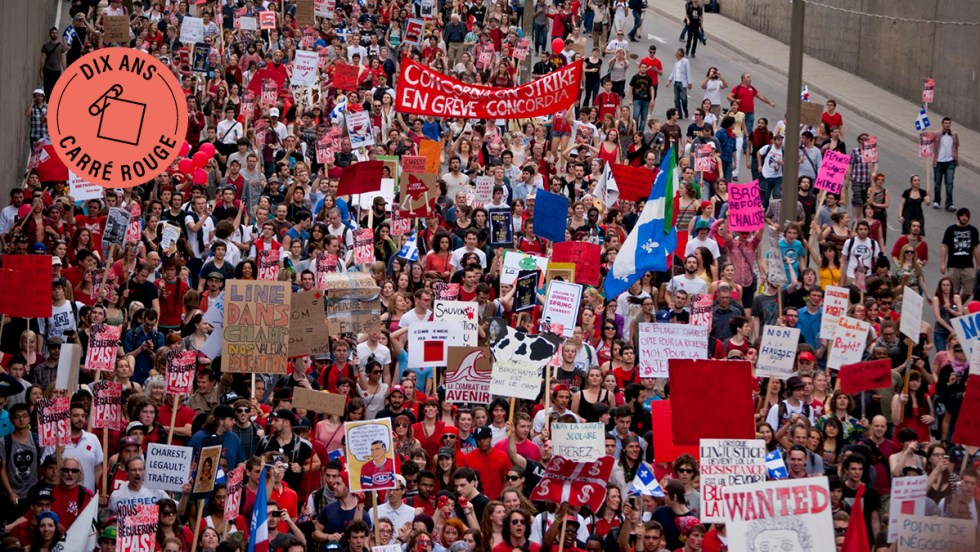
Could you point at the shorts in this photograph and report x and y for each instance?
(859, 193)
(963, 279)
(560, 133)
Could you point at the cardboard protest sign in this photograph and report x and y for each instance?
(835, 303)
(634, 183)
(137, 532)
(850, 341)
(235, 482)
(107, 405)
(518, 378)
(661, 342)
(432, 151)
(68, 361)
(191, 30)
(304, 13)
(319, 401)
(468, 375)
(417, 194)
(908, 496)
(208, 462)
(832, 171)
(517, 261)
(180, 372)
(811, 113)
(562, 305)
(864, 376)
(427, 342)
(525, 297)
(911, 322)
(579, 442)
(256, 326)
(54, 422)
(745, 212)
(725, 408)
(777, 353)
(116, 29)
(102, 348)
(780, 515)
(305, 71)
(464, 313)
(930, 533)
(550, 216)
(83, 190)
(168, 467)
(586, 257)
(663, 433)
(353, 303)
(501, 228)
(726, 463)
(370, 455)
(928, 91)
(345, 76)
(306, 321)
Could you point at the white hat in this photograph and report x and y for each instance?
(274, 112)
(38, 92)
(55, 260)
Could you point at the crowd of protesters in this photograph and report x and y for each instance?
(465, 471)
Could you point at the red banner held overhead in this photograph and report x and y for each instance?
(361, 178)
(423, 91)
(864, 376)
(634, 183)
(724, 408)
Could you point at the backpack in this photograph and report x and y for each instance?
(8, 445)
(782, 411)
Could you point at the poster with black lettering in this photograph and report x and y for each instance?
(527, 287)
(137, 532)
(468, 375)
(728, 462)
(168, 467)
(107, 405)
(465, 313)
(790, 514)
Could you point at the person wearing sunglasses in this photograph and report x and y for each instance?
(686, 471)
(69, 496)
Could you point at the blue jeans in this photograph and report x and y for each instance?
(680, 99)
(641, 109)
(943, 170)
(773, 186)
(540, 38)
(587, 20)
(637, 21)
(749, 127)
(726, 168)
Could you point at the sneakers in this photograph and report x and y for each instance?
(951, 209)
(935, 204)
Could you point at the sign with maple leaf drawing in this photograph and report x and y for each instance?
(466, 313)
(418, 194)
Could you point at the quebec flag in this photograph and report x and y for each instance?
(653, 237)
(922, 121)
(776, 466)
(645, 483)
(258, 539)
(410, 251)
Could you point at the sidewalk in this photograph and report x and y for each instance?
(851, 91)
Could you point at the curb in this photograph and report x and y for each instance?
(967, 162)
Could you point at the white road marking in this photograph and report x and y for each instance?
(657, 38)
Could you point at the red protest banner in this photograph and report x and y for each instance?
(345, 76)
(180, 372)
(54, 422)
(418, 195)
(724, 408)
(584, 255)
(578, 483)
(36, 264)
(361, 178)
(107, 405)
(634, 183)
(967, 430)
(423, 91)
(268, 264)
(33, 297)
(413, 163)
(102, 348)
(863, 376)
(663, 434)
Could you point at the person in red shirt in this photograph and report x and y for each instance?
(516, 532)
(654, 68)
(831, 118)
(490, 463)
(607, 100)
(69, 497)
(182, 425)
(528, 242)
(94, 222)
(380, 471)
(171, 290)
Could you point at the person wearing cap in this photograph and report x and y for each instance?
(127, 500)
(492, 464)
(396, 405)
(282, 439)
(23, 528)
(129, 447)
(565, 520)
(37, 114)
(700, 239)
(49, 531)
(782, 412)
(561, 399)
(107, 539)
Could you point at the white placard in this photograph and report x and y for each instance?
(464, 313)
(932, 533)
(908, 496)
(81, 189)
(579, 442)
(850, 341)
(169, 236)
(516, 378)
(68, 361)
(516, 261)
(777, 353)
(387, 192)
(780, 515)
(359, 129)
(428, 342)
(724, 463)
(305, 71)
(192, 30)
(911, 323)
(835, 303)
(168, 467)
(562, 305)
(967, 328)
(661, 342)
(248, 24)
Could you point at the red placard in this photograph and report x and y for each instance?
(180, 372)
(107, 405)
(665, 450)
(967, 430)
(102, 348)
(54, 422)
(719, 410)
(578, 483)
(345, 76)
(360, 178)
(33, 293)
(863, 376)
(268, 264)
(585, 256)
(634, 183)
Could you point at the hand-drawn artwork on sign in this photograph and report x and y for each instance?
(370, 455)
(468, 375)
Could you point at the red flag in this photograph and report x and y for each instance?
(856, 538)
(578, 483)
(360, 178)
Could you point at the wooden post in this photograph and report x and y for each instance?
(105, 455)
(905, 391)
(547, 398)
(561, 535)
(173, 416)
(510, 417)
(377, 530)
(197, 524)
(91, 421)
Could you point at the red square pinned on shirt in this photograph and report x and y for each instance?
(433, 351)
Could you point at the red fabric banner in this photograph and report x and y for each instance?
(360, 178)
(423, 91)
(863, 376)
(578, 483)
(724, 408)
(967, 430)
(634, 183)
(584, 255)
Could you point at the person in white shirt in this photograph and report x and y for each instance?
(680, 77)
(469, 246)
(229, 131)
(421, 312)
(372, 348)
(456, 180)
(701, 239)
(859, 252)
(394, 508)
(689, 281)
(127, 500)
(9, 214)
(84, 447)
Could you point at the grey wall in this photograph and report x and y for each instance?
(895, 55)
(23, 29)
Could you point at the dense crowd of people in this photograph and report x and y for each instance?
(466, 471)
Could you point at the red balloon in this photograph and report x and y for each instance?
(184, 150)
(557, 45)
(200, 160)
(200, 176)
(185, 166)
(207, 149)
(973, 307)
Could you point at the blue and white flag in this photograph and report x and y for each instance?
(805, 94)
(338, 110)
(410, 251)
(653, 237)
(776, 466)
(922, 121)
(645, 483)
(70, 36)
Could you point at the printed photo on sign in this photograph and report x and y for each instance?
(208, 464)
(370, 455)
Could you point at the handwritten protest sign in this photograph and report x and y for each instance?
(445, 292)
(464, 313)
(586, 257)
(908, 496)
(634, 183)
(168, 467)
(811, 113)
(117, 29)
(102, 348)
(107, 405)
(319, 401)
(468, 375)
(54, 422)
(745, 212)
(518, 378)
(832, 171)
(777, 353)
(370, 455)
(661, 342)
(306, 321)
(579, 442)
(256, 324)
(562, 305)
(482, 191)
(911, 322)
(758, 520)
(928, 91)
(835, 303)
(928, 534)
(353, 304)
(345, 76)
(864, 376)
(726, 463)
(416, 164)
(967, 328)
(180, 372)
(191, 30)
(428, 342)
(703, 158)
(849, 343)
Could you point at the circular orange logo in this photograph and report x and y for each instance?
(117, 117)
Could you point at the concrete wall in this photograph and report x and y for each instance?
(896, 55)
(23, 29)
